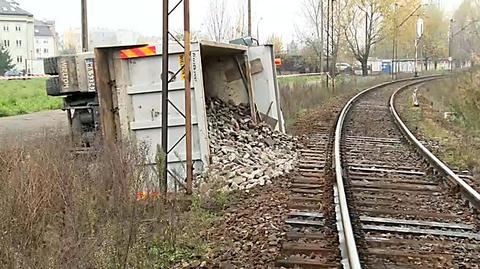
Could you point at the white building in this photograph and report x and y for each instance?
(17, 34)
(45, 39)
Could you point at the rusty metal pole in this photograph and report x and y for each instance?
(165, 93)
(188, 100)
(84, 26)
(249, 17)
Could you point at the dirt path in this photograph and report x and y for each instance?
(24, 128)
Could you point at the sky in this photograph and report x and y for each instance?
(144, 16)
(279, 17)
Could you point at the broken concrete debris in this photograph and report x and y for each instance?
(244, 154)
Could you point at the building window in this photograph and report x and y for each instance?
(5, 28)
(45, 41)
(18, 28)
(6, 43)
(38, 51)
(19, 43)
(45, 50)
(19, 59)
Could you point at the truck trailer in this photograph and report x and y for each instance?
(123, 101)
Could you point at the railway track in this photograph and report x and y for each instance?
(366, 195)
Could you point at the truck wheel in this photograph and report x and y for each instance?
(53, 87)
(50, 65)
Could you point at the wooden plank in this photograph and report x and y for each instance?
(307, 191)
(306, 199)
(400, 186)
(297, 222)
(305, 263)
(306, 214)
(306, 180)
(390, 211)
(302, 248)
(104, 89)
(306, 186)
(391, 179)
(391, 171)
(312, 236)
(396, 229)
(417, 223)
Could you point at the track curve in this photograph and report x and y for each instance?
(395, 208)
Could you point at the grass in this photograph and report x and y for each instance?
(458, 138)
(25, 96)
(299, 95)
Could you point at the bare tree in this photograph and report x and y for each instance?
(240, 20)
(217, 21)
(364, 28)
(316, 32)
(313, 34)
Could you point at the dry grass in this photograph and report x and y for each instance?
(458, 138)
(302, 94)
(63, 210)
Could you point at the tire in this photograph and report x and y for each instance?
(50, 65)
(53, 87)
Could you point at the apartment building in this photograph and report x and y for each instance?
(17, 34)
(46, 41)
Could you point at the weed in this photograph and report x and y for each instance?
(59, 209)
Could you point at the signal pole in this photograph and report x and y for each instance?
(84, 26)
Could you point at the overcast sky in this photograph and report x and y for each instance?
(278, 16)
(144, 16)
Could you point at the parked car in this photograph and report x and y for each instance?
(343, 68)
(13, 73)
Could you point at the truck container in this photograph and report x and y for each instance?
(130, 94)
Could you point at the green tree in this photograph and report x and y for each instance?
(5, 60)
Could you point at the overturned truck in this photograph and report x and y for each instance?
(128, 93)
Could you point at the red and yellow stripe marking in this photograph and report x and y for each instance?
(138, 52)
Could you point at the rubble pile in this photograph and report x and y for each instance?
(244, 154)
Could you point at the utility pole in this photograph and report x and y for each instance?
(84, 26)
(333, 68)
(250, 18)
(188, 96)
(322, 34)
(165, 79)
(394, 41)
(328, 44)
(450, 39)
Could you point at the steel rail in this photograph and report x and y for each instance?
(472, 195)
(348, 235)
